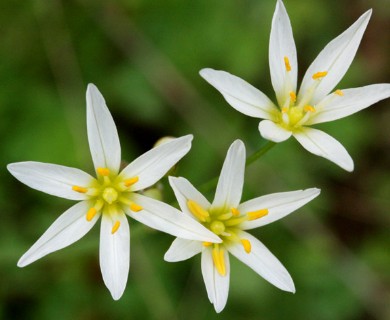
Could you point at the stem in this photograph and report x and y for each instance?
(263, 150)
(207, 186)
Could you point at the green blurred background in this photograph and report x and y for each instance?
(144, 56)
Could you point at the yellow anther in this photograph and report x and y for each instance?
(103, 172)
(115, 227)
(284, 110)
(135, 207)
(197, 210)
(319, 75)
(339, 92)
(131, 181)
(235, 212)
(219, 260)
(253, 215)
(91, 213)
(309, 108)
(79, 189)
(247, 245)
(287, 64)
(293, 97)
(207, 244)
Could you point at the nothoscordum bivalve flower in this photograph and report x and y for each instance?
(110, 195)
(229, 219)
(315, 102)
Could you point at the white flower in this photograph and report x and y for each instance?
(110, 196)
(228, 219)
(314, 103)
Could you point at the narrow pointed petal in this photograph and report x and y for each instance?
(263, 262)
(282, 46)
(217, 286)
(154, 164)
(271, 131)
(51, 178)
(335, 58)
(278, 205)
(231, 179)
(185, 191)
(334, 107)
(71, 226)
(161, 216)
(323, 145)
(240, 94)
(182, 249)
(102, 134)
(114, 254)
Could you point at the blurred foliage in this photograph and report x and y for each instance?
(144, 55)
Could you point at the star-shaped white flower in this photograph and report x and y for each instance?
(314, 103)
(111, 195)
(229, 219)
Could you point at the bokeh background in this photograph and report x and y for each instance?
(144, 56)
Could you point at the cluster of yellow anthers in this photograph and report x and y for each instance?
(224, 222)
(293, 116)
(109, 192)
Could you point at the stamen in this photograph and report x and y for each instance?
(339, 92)
(91, 213)
(234, 222)
(115, 227)
(293, 97)
(225, 216)
(135, 207)
(284, 110)
(198, 211)
(207, 244)
(253, 215)
(319, 75)
(131, 181)
(219, 260)
(308, 108)
(79, 189)
(103, 172)
(235, 212)
(247, 245)
(287, 64)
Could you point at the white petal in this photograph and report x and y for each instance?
(71, 226)
(185, 191)
(231, 179)
(335, 58)
(182, 249)
(102, 134)
(217, 286)
(51, 178)
(240, 94)
(278, 205)
(163, 217)
(282, 45)
(334, 107)
(154, 164)
(274, 132)
(263, 262)
(114, 254)
(323, 145)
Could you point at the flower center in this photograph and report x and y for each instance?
(295, 113)
(109, 194)
(225, 224)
